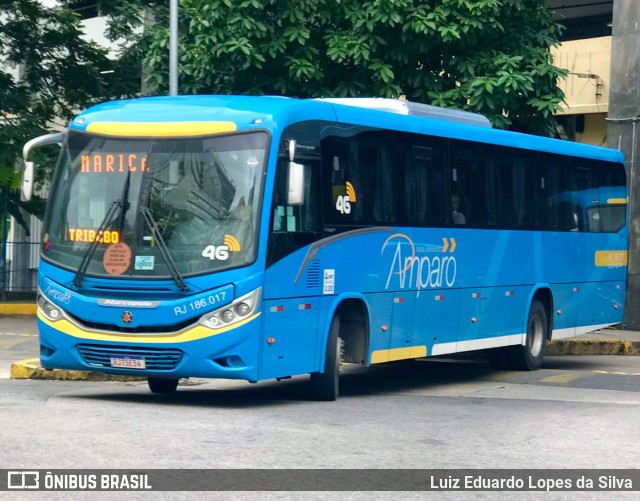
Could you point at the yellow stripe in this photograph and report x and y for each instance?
(562, 378)
(617, 201)
(197, 332)
(164, 129)
(611, 258)
(381, 356)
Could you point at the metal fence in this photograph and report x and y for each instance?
(19, 252)
(18, 269)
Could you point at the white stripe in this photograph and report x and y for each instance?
(577, 331)
(512, 340)
(478, 344)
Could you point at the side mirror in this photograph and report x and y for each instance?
(26, 189)
(295, 184)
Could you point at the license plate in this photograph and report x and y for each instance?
(128, 362)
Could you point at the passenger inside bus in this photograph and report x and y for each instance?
(458, 217)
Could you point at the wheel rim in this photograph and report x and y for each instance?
(536, 336)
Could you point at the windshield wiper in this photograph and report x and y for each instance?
(164, 250)
(113, 209)
(117, 206)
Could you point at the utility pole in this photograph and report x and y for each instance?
(622, 133)
(173, 48)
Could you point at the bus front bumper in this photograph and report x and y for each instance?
(195, 352)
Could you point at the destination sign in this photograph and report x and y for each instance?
(88, 235)
(110, 163)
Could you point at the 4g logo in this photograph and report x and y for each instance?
(343, 202)
(221, 252)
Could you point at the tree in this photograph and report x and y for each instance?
(48, 72)
(488, 56)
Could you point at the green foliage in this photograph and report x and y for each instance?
(489, 56)
(48, 72)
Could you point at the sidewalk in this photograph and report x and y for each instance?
(603, 342)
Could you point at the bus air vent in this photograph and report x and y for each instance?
(402, 107)
(156, 359)
(132, 289)
(141, 329)
(313, 274)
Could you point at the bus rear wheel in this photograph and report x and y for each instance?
(528, 357)
(162, 385)
(325, 385)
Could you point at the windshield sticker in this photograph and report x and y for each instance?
(88, 235)
(344, 196)
(117, 258)
(124, 162)
(144, 262)
(221, 252)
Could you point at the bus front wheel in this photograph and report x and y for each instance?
(162, 385)
(528, 357)
(325, 385)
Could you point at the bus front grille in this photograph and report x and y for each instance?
(158, 359)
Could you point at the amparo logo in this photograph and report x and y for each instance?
(420, 267)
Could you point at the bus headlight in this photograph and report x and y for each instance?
(243, 309)
(238, 310)
(228, 316)
(48, 309)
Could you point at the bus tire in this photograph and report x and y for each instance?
(325, 385)
(162, 385)
(499, 358)
(529, 357)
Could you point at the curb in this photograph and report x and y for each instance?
(593, 347)
(18, 308)
(30, 369)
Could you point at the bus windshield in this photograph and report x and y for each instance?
(128, 207)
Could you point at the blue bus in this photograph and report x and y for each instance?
(254, 238)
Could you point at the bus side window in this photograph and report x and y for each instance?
(421, 180)
(359, 178)
(301, 218)
(507, 195)
(293, 227)
(470, 181)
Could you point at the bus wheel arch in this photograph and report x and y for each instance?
(529, 355)
(537, 330)
(347, 340)
(354, 330)
(545, 297)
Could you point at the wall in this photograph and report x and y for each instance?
(587, 86)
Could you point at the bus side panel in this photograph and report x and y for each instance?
(381, 312)
(402, 333)
(564, 312)
(600, 305)
(290, 336)
(486, 314)
(436, 319)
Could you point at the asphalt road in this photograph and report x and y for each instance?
(576, 412)
(18, 341)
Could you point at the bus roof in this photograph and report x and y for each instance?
(276, 112)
